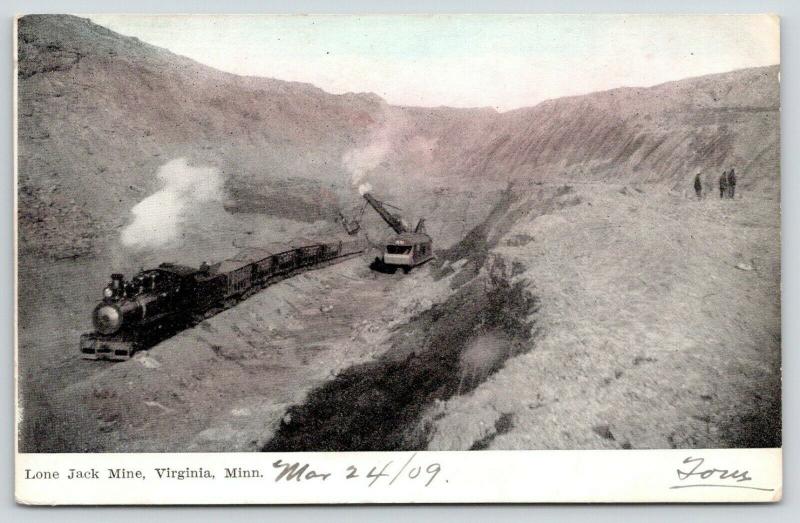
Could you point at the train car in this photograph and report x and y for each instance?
(263, 261)
(349, 247)
(239, 276)
(309, 252)
(331, 249)
(284, 257)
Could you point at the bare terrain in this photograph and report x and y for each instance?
(581, 296)
(659, 327)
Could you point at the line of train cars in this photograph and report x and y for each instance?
(156, 303)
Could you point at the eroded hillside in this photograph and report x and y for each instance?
(100, 112)
(659, 327)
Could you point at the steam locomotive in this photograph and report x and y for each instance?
(156, 303)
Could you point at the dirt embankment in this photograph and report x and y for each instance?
(100, 112)
(659, 327)
(440, 353)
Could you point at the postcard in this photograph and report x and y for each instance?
(283, 259)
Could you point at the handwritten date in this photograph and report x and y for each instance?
(387, 473)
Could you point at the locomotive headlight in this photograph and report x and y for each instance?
(107, 319)
(107, 292)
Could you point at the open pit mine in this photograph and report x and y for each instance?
(553, 281)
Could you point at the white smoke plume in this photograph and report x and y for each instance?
(364, 188)
(362, 160)
(395, 139)
(384, 138)
(160, 219)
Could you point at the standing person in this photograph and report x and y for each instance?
(731, 184)
(698, 187)
(723, 184)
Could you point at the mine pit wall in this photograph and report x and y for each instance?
(421, 394)
(444, 351)
(651, 372)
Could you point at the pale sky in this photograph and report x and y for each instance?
(500, 61)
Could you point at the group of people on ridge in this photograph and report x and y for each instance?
(727, 185)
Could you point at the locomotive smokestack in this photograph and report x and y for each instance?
(114, 289)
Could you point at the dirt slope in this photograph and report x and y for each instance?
(659, 327)
(100, 112)
(660, 134)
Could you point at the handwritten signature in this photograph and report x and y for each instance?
(701, 476)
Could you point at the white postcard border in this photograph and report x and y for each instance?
(558, 476)
(536, 476)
